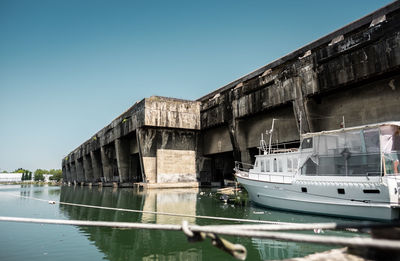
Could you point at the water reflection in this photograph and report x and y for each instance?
(118, 244)
(181, 201)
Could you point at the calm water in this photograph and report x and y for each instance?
(55, 242)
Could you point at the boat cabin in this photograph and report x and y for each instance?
(371, 150)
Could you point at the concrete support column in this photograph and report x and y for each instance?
(122, 153)
(107, 170)
(232, 129)
(64, 172)
(238, 140)
(88, 170)
(73, 172)
(96, 166)
(147, 151)
(68, 173)
(138, 141)
(300, 108)
(80, 175)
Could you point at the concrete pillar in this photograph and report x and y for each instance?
(73, 172)
(107, 170)
(138, 137)
(300, 108)
(96, 166)
(147, 152)
(80, 176)
(87, 166)
(122, 153)
(68, 177)
(238, 140)
(64, 172)
(232, 129)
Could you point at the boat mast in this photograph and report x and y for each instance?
(270, 136)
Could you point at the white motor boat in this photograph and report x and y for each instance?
(350, 172)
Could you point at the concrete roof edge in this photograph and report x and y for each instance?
(325, 39)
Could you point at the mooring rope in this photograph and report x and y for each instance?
(158, 213)
(216, 229)
(312, 226)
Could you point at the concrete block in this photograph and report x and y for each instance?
(150, 169)
(176, 166)
(172, 113)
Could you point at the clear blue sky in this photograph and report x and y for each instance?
(68, 68)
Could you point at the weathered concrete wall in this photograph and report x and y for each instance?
(346, 67)
(353, 72)
(153, 140)
(125, 151)
(216, 140)
(176, 166)
(171, 113)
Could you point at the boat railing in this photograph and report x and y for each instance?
(241, 166)
(272, 177)
(276, 151)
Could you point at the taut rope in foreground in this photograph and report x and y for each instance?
(156, 212)
(197, 233)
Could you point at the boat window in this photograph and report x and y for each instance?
(307, 143)
(390, 146)
(371, 191)
(351, 153)
(371, 138)
(289, 165)
(267, 165)
(295, 164)
(280, 165)
(262, 165)
(309, 168)
(275, 166)
(256, 164)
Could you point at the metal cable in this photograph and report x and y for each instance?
(330, 240)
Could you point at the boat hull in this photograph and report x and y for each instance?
(287, 197)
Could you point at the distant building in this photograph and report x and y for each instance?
(16, 177)
(10, 177)
(47, 177)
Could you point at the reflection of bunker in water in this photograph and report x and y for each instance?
(121, 244)
(180, 201)
(276, 250)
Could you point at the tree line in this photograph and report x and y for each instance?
(38, 175)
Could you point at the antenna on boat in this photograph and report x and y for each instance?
(300, 126)
(270, 136)
(263, 145)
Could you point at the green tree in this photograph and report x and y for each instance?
(23, 177)
(41, 171)
(39, 176)
(19, 170)
(30, 175)
(56, 176)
